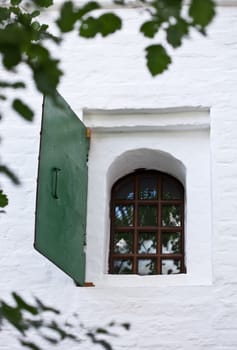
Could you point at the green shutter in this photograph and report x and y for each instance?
(60, 229)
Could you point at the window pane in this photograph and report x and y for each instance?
(171, 215)
(170, 267)
(123, 242)
(123, 215)
(147, 243)
(146, 266)
(125, 189)
(122, 266)
(171, 189)
(171, 242)
(148, 187)
(147, 215)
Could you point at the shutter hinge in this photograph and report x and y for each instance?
(88, 133)
(88, 284)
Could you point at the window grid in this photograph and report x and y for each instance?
(137, 229)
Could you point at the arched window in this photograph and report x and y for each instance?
(147, 224)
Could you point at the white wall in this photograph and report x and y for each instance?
(108, 74)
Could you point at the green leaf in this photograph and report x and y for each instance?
(149, 29)
(47, 75)
(165, 9)
(43, 3)
(202, 12)
(11, 55)
(22, 109)
(89, 27)
(109, 23)
(16, 10)
(35, 25)
(45, 69)
(14, 38)
(90, 6)
(4, 14)
(15, 2)
(3, 199)
(6, 171)
(106, 24)
(176, 32)
(67, 17)
(43, 28)
(157, 59)
(35, 13)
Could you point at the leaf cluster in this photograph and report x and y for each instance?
(168, 16)
(22, 40)
(87, 26)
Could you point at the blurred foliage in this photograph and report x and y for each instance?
(49, 326)
(23, 39)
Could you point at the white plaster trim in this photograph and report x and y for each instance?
(133, 4)
(184, 118)
(156, 281)
(183, 154)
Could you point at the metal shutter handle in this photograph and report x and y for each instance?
(55, 182)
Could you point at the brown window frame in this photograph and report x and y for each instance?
(159, 229)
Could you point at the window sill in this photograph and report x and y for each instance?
(155, 281)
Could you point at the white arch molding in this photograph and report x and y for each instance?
(179, 147)
(146, 158)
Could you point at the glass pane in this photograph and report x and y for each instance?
(171, 242)
(123, 242)
(123, 215)
(146, 267)
(148, 187)
(171, 215)
(171, 189)
(125, 189)
(147, 215)
(170, 267)
(122, 266)
(147, 243)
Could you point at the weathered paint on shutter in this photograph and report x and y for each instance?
(60, 229)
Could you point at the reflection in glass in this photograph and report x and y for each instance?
(171, 242)
(123, 215)
(171, 215)
(123, 242)
(147, 243)
(170, 267)
(125, 189)
(148, 187)
(122, 266)
(147, 215)
(171, 189)
(146, 266)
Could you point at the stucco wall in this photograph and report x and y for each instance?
(109, 74)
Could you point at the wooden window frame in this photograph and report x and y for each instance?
(136, 229)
